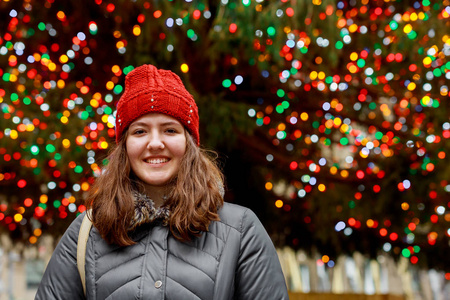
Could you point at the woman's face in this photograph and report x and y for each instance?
(155, 146)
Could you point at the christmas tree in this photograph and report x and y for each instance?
(331, 117)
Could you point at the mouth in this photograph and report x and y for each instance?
(157, 160)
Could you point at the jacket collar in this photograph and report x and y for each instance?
(146, 212)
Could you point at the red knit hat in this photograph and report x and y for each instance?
(148, 90)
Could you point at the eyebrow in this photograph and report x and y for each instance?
(168, 123)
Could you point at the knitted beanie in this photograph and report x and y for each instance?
(149, 90)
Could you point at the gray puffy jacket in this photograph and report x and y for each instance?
(235, 259)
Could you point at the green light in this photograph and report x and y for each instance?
(279, 109)
(50, 148)
(435, 103)
(361, 63)
(379, 135)
(14, 97)
(339, 45)
(118, 89)
(271, 31)
(41, 26)
(108, 110)
(304, 50)
(37, 171)
(34, 150)
(259, 122)
(293, 71)
(285, 104)
(327, 141)
(315, 124)
(246, 2)
(344, 141)
(426, 3)
(30, 32)
(351, 204)
(57, 156)
(412, 35)
(393, 25)
(437, 72)
(416, 249)
(280, 93)
(84, 115)
(406, 253)
(56, 204)
(190, 33)
(78, 169)
(329, 80)
(43, 206)
(5, 77)
(226, 83)
(26, 101)
(372, 105)
(128, 69)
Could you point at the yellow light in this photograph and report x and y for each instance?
(66, 113)
(115, 69)
(136, 30)
(413, 17)
(60, 84)
(325, 258)
(304, 116)
(184, 68)
(104, 145)
(64, 120)
(427, 61)
(30, 127)
(344, 173)
(281, 127)
(279, 203)
(337, 122)
(344, 128)
(352, 28)
(407, 29)
(411, 86)
(63, 59)
(66, 143)
(405, 206)
(52, 66)
(32, 240)
(12, 78)
(85, 186)
(333, 170)
(43, 199)
(322, 187)
(353, 69)
(37, 232)
(94, 103)
(120, 44)
(321, 75)
(110, 85)
(269, 186)
(14, 134)
(354, 56)
(18, 218)
(313, 75)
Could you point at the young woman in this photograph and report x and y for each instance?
(160, 227)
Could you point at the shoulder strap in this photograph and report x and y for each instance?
(81, 247)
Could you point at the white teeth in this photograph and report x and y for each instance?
(157, 160)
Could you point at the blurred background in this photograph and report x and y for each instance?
(330, 120)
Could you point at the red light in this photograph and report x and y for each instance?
(233, 27)
(21, 183)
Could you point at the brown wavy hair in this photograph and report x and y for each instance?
(194, 196)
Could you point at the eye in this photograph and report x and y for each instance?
(138, 131)
(171, 130)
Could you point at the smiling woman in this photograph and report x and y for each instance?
(158, 213)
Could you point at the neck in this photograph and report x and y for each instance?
(156, 193)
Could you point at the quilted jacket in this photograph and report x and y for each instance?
(235, 259)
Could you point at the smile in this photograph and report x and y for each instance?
(157, 160)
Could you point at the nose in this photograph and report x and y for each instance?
(155, 142)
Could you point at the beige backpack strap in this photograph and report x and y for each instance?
(83, 237)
